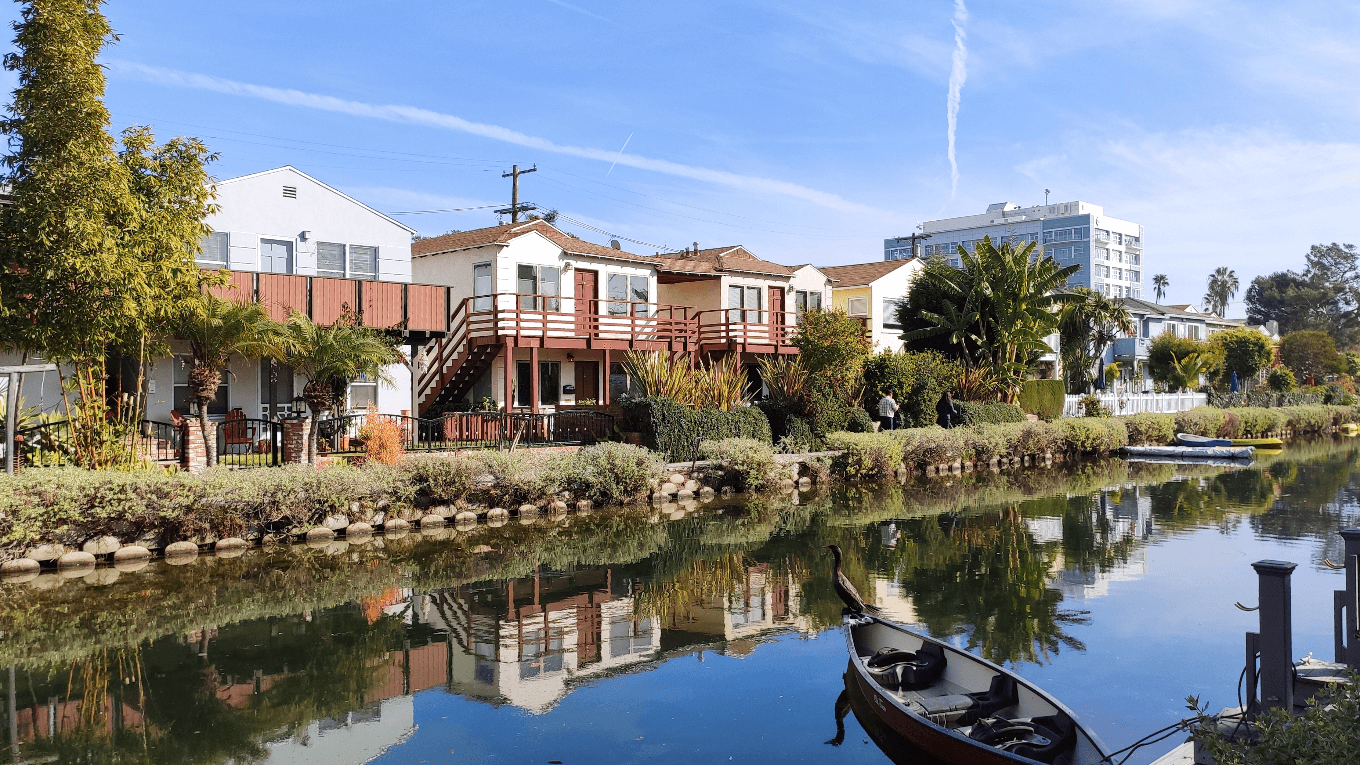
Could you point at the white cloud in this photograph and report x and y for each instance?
(419, 116)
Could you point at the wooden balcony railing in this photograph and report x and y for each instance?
(746, 327)
(387, 305)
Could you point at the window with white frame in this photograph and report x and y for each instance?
(363, 392)
(183, 394)
(1101, 235)
(330, 259)
(214, 250)
(1117, 237)
(804, 301)
(857, 306)
(481, 287)
(363, 262)
(1101, 253)
(623, 289)
(891, 306)
(747, 298)
(539, 287)
(1119, 274)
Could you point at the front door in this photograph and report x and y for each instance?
(777, 312)
(586, 292)
(276, 256)
(588, 381)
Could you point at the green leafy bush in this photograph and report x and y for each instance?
(1091, 406)
(992, 413)
(441, 477)
(1281, 380)
(1092, 435)
(866, 455)
(1325, 733)
(519, 477)
(748, 462)
(1044, 398)
(859, 421)
(673, 429)
(1308, 419)
(923, 447)
(609, 473)
(1150, 428)
(984, 443)
(918, 380)
(1200, 421)
(1036, 438)
(1258, 420)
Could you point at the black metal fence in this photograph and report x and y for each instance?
(50, 444)
(471, 430)
(248, 443)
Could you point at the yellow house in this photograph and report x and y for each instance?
(872, 292)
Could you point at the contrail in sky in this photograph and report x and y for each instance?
(957, 75)
(414, 115)
(616, 160)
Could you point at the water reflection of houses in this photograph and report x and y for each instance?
(1120, 516)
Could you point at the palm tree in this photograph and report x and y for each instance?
(998, 306)
(217, 329)
(1222, 288)
(1159, 285)
(1087, 327)
(330, 358)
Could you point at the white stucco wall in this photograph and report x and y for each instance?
(894, 286)
(254, 207)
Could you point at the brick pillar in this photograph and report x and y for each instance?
(194, 455)
(295, 440)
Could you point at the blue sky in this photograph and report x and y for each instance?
(807, 131)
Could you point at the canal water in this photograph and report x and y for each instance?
(679, 634)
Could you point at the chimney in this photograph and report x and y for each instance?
(696, 249)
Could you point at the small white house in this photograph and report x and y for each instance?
(872, 293)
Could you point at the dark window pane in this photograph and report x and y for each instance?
(523, 383)
(526, 285)
(549, 381)
(618, 291)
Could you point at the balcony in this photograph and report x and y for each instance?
(420, 310)
(745, 330)
(1131, 348)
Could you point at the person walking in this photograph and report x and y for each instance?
(887, 411)
(947, 413)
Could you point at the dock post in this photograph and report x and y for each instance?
(1253, 647)
(1277, 643)
(1352, 610)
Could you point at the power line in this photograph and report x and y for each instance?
(448, 210)
(611, 235)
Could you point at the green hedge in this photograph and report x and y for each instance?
(1150, 429)
(1093, 435)
(866, 455)
(980, 413)
(673, 429)
(1044, 398)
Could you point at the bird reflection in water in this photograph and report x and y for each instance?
(889, 741)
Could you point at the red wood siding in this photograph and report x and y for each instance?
(382, 304)
(426, 308)
(240, 286)
(330, 298)
(281, 293)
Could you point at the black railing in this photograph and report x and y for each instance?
(162, 441)
(246, 443)
(50, 444)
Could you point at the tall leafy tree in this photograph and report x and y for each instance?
(995, 310)
(331, 357)
(1159, 285)
(96, 249)
(1244, 351)
(217, 329)
(1088, 326)
(1221, 289)
(1325, 296)
(1310, 353)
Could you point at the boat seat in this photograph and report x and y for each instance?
(967, 708)
(1042, 739)
(898, 670)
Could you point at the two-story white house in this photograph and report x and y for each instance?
(872, 293)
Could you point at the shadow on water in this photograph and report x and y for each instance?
(276, 654)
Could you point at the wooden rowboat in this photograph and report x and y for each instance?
(960, 708)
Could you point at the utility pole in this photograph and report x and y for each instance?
(515, 207)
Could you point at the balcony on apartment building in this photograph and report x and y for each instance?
(420, 311)
(1131, 347)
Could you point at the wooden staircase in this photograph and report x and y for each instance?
(455, 364)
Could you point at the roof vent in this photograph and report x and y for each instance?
(615, 244)
(290, 192)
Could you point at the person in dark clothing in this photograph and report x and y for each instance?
(948, 415)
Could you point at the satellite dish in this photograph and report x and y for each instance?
(615, 244)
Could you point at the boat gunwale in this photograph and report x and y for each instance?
(850, 621)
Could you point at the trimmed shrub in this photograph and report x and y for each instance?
(1150, 429)
(799, 433)
(1093, 435)
(673, 429)
(1307, 419)
(866, 455)
(750, 463)
(440, 477)
(1281, 380)
(1200, 421)
(930, 446)
(859, 421)
(989, 413)
(519, 477)
(1091, 406)
(1258, 420)
(1044, 398)
(609, 473)
(985, 443)
(1036, 438)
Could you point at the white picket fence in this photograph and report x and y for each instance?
(1137, 403)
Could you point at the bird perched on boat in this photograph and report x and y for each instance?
(853, 602)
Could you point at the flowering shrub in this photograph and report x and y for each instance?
(382, 438)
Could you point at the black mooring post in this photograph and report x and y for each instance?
(1253, 647)
(1277, 644)
(1352, 611)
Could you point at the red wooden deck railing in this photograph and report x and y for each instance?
(387, 305)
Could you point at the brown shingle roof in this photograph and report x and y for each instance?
(502, 234)
(716, 260)
(860, 274)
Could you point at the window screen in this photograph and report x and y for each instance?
(330, 259)
(735, 299)
(481, 287)
(363, 261)
(215, 250)
(526, 284)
